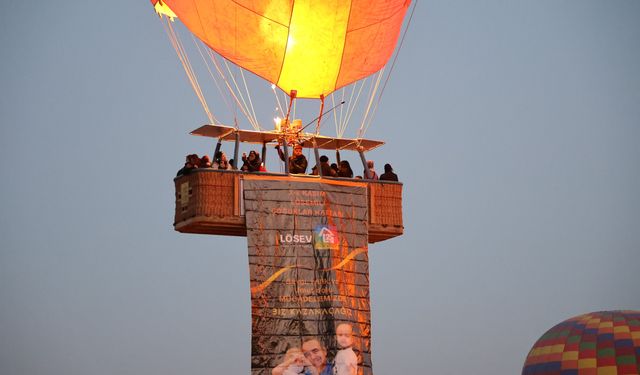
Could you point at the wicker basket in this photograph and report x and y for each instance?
(208, 201)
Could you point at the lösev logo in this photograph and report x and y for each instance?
(325, 237)
(289, 238)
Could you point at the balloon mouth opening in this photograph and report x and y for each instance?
(163, 10)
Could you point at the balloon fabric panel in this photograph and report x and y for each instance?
(313, 47)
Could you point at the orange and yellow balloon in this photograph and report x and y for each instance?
(311, 46)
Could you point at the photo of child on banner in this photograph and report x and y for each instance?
(313, 358)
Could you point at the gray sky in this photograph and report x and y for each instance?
(514, 126)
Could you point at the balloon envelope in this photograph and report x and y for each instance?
(311, 46)
(599, 343)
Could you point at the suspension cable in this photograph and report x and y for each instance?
(186, 64)
(342, 112)
(244, 103)
(393, 63)
(352, 109)
(213, 77)
(226, 81)
(373, 90)
(253, 111)
(295, 107)
(273, 88)
(285, 98)
(335, 115)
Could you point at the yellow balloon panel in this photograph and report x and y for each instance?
(314, 47)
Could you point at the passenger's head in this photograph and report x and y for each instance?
(253, 155)
(370, 164)
(297, 150)
(193, 159)
(315, 353)
(205, 161)
(324, 159)
(345, 169)
(387, 168)
(344, 335)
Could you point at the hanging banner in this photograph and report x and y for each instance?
(309, 271)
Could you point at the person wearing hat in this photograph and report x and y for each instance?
(297, 161)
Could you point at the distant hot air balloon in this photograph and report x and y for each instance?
(310, 47)
(598, 343)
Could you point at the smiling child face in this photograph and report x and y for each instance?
(344, 335)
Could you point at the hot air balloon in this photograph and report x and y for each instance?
(307, 235)
(598, 343)
(308, 49)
